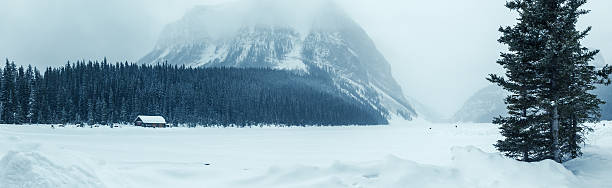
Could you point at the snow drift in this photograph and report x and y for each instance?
(471, 168)
(33, 169)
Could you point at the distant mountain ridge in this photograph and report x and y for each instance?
(483, 106)
(299, 36)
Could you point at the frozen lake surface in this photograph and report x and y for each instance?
(404, 154)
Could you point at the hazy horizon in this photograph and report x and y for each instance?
(440, 51)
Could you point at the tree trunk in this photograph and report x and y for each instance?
(574, 138)
(524, 114)
(555, 134)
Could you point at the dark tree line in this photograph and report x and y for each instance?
(551, 81)
(105, 93)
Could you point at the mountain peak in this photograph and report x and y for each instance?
(486, 104)
(289, 35)
(220, 21)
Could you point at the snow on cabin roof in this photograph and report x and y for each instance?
(151, 119)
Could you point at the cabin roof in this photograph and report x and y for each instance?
(151, 119)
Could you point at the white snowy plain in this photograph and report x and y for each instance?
(404, 154)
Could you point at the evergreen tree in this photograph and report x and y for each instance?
(100, 111)
(548, 74)
(110, 106)
(123, 117)
(90, 112)
(22, 95)
(31, 96)
(38, 97)
(8, 98)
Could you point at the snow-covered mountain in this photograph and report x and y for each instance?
(483, 106)
(305, 36)
(427, 113)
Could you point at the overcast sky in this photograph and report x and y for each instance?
(440, 50)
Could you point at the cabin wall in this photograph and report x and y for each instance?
(157, 125)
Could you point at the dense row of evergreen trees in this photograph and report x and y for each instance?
(104, 93)
(549, 76)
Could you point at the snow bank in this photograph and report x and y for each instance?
(480, 169)
(23, 164)
(594, 167)
(32, 169)
(472, 168)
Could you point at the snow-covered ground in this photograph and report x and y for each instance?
(405, 154)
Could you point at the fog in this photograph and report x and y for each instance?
(440, 50)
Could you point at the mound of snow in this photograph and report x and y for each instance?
(480, 169)
(32, 169)
(471, 168)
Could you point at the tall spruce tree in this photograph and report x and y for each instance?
(8, 98)
(549, 76)
(90, 112)
(123, 116)
(22, 95)
(31, 96)
(38, 93)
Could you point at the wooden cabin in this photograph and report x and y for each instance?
(150, 121)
